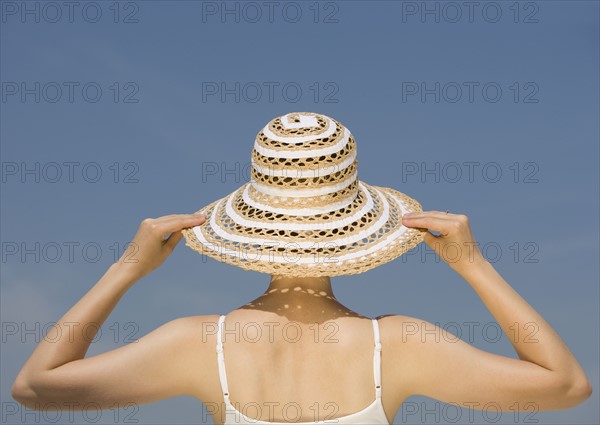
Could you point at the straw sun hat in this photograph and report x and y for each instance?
(305, 212)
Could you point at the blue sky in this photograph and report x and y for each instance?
(108, 118)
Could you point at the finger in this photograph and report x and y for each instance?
(174, 217)
(428, 214)
(164, 217)
(438, 214)
(427, 221)
(441, 214)
(180, 221)
(160, 221)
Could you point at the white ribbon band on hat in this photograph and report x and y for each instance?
(308, 173)
(305, 193)
(308, 244)
(285, 259)
(306, 211)
(332, 224)
(303, 153)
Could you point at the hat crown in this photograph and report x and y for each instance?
(304, 163)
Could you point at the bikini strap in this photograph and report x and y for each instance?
(377, 359)
(221, 360)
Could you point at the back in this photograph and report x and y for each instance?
(274, 370)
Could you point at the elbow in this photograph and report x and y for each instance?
(574, 391)
(580, 390)
(26, 394)
(39, 392)
(22, 393)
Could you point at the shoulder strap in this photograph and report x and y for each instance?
(221, 360)
(377, 359)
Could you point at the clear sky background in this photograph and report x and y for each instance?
(493, 114)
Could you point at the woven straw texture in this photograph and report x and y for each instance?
(304, 211)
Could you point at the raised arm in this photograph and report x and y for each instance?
(546, 376)
(139, 372)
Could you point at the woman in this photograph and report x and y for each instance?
(295, 353)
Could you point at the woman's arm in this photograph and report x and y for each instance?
(546, 373)
(57, 370)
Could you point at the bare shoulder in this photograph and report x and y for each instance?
(193, 340)
(192, 335)
(189, 330)
(403, 341)
(401, 329)
(191, 323)
(195, 331)
(408, 336)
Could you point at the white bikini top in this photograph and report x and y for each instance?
(372, 414)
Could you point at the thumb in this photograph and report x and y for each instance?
(173, 240)
(432, 241)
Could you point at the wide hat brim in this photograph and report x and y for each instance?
(364, 234)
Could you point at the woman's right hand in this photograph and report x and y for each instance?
(455, 243)
(154, 241)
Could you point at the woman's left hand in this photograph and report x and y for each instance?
(455, 244)
(149, 248)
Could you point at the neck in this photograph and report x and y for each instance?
(315, 286)
(304, 299)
